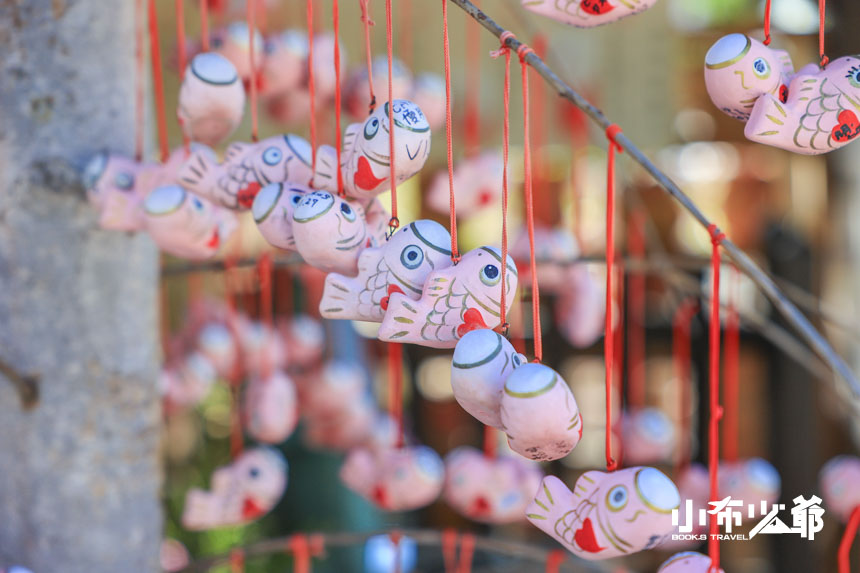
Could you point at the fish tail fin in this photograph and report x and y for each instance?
(199, 174)
(340, 298)
(325, 174)
(551, 497)
(401, 319)
(199, 510)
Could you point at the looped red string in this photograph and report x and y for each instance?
(730, 378)
(394, 222)
(716, 411)
(158, 81)
(303, 547)
(237, 560)
(251, 17)
(309, 8)
(455, 253)
(395, 387)
(848, 540)
(204, 25)
(824, 60)
(681, 357)
(365, 19)
(766, 23)
(524, 51)
(608, 340)
(449, 551)
(554, 560)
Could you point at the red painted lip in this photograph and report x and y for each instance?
(380, 496)
(480, 506)
(848, 127)
(215, 240)
(474, 321)
(391, 289)
(585, 538)
(251, 509)
(364, 177)
(245, 198)
(597, 7)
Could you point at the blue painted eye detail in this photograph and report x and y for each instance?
(854, 76)
(272, 156)
(197, 204)
(371, 128)
(490, 275)
(517, 360)
(616, 499)
(296, 199)
(254, 472)
(412, 257)
(124, 181)
(761, 68)
(348, 212)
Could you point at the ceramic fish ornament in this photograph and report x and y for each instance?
(739, 69)
(396, 479)
(694, 486)
(649, 436)
(337, 384)
(555, 251)
(330, 232)
(217, 343)
(325, 79)
(539, 413)
(270, 408)
(285, 65)
(350, 426)
(399, 265)
(687, 562)
(173, 556)
(428, 93)
(357, 94)
(263, 349)
(365, 161)
(482, 361)
(247, 168)
(305, 337)
(454, 301)
(185, 225)
(211, 99)
(190, 382)
(581, 307)
(840, 485)
(233, 42)
(273, 212)
(607, 514)
(752, 480)
(490, 490)
(820, 114)
(478, 181)
(587, 13)
(243, 491)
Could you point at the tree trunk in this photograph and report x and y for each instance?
(79, 471)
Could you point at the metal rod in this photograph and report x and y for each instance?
(785, 307)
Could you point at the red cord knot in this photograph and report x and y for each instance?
(393, 225)
(611, 133)
(365, 15)
(824, 61)
(611, 465)
(717, 236)
(524, 51)
(503, 38)
(766, 41)
(554, 560)
(455, 259)
(503, 329)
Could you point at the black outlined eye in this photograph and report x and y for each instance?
(197, 204)
(490, 275)
(348, 212)
(272, 156)
(254, 472)
(616, 499)
(371, 128)
(296, 199)
(124, 181)
(412, 257)
(761, 68)
(854, 76)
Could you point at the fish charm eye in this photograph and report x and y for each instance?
(347, 212)
(254, 472)
(371, 128)
(272, 156)
(124, 181)
(490, 275)
(412, 257)
(197, 203)
(761, 68)
(616, 499)
(854, 76)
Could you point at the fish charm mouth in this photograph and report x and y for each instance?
(246, 196)
(585, 538)
(215, 240)
(473, 321)
(391, 289)
(364, 177)
(251, 509)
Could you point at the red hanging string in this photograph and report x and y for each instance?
(335, 12)
(365, 19)
(407, 38)
(237, 561)
(139, 122)
(251, 17)
(537, 109)
(304, 547)
(182, 51)
(473, 87)
(395, 387)
(824, 60)
(264, 275)
(311, 90)
(394, 222)
(204, 24)
(636, 314)
(716, 412)
(618, 363)
(449, 551)
(681, 358)
(608, 340)
(467, 551)
(554, 560)
(489, 442)
(767, 23)
(506, 129)
(455, 253)
(522, 52)
(730, 376)
(158, 81)
(848, 540)
(395, 536)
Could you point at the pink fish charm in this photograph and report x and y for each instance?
(240, 493)
(233, 42)
(263, 349)
(217, 343)
(539, 413)
(581, 307)
(819, 115)
(247, 168)
(357, 95)
(478, 181)
(428, 93)
(270, 408)
(483, 359)
(396, 479)
(173, 556)
(330, 232)
(555, 251)
(840, 485)
(285, 65)
(365, 162)
(489, 490)
(184, 225)
(211, 99)
(607, 514)
(350, 426)
(338, 384)
(305, 337)
(752, 480)
(587, 13)
(399, 265)
(273, 212)
(649, 437)
(687, 562)
(454, 301)
(187, 384)
(740, 69)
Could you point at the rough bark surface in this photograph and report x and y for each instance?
(79, 472)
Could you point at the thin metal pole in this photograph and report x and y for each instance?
(790, 312)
